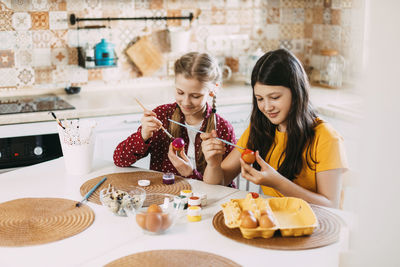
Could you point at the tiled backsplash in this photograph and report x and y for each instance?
(38, 46)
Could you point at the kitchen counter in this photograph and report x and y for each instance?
(111, 237)
(94, 102)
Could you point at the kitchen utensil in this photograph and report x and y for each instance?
(104, 53)
(58, 121)
(85, 198)
(162, 127)
(194, 129)
(146, 56)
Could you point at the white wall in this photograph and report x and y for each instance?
(378, 236)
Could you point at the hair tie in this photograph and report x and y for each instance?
(214, 110)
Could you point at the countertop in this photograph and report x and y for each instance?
(111, 237)
(94, 102)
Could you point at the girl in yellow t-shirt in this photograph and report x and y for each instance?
(297, 154)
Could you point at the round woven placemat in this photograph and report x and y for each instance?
(176, 258)
(326, 233)
(123, 180)
(34, 221)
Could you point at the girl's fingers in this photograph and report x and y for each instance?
(183, 155)
(205, 136)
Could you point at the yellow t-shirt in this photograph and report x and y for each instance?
(328, 151)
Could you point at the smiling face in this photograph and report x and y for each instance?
(274, 102)
(191, 96)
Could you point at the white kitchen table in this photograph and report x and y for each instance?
(111, 237)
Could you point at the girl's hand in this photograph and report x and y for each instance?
(150, 124)
(267, 175)
(213, 149)
(182, 164)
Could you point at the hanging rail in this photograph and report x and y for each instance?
(73, 19)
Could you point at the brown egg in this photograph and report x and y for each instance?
(249, 222)
(141, 220)
(263, 212)
(154, 208)
(245, 213)
(153, 221)
(265, 222)
(166, 221)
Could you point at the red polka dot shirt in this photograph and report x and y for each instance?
(134, 147)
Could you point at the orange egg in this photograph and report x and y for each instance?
(249, 222)
(154, 208)
(245, 213)
(141, 220)
(166, 221)
(248, 156)
(265, 222)
(153, 221)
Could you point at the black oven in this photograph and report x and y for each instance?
(28, 150)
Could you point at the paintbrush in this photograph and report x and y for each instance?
(162, 127)
(58, 121)
(194, 129)
(85, 198)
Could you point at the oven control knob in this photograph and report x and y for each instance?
(38, 151)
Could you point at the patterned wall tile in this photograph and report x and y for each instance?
(25, 77)
(59, 56)
(346, 3)
(298, 46)
(21, 5)
(74, 5)
(144, 4)
(272, 31)
(156, 4)
(318, 3)
(345, 17)
(61, 74)
(335, 16)
(232, 16)
(298, 31)
(174, 13)
(308, 16)
(234, 4)
(42, 39)
(273, 3)
(336, 4)
(6, 20)
(58, 20)
(23, 58)
(318, 31)
(41, 57)
(23, 40)
(273, 15)
(21, 21)
(308, 30)
(218, 16)
(77, 74)
(327, 3)
(286, 15)
(8, 77)
(318, 15)
(5, 5)
(94, 4)
(40, 5)
(58, 5)
(58, 38)
(72, 56)
(43, 75)
(298, 15)
(246, 17)
(245, 4)
(7, 40)
(95, 74)
(7, 59)
(40, 20)
(327, 16)
(308, 3)
(287, 44)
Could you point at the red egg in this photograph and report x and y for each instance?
(178, 144)
(248, 156)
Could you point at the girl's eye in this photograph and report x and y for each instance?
(180, 93)
(259, 99)
(196, 96)
(275, 97)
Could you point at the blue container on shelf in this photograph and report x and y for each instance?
(104, 54)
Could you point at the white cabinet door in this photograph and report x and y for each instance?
(112, 130)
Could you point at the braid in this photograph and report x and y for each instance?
(214, 107)
(173, 128)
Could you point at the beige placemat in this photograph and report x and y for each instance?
(176, 258)
(122, 180)
(325, 234)
(34, 221)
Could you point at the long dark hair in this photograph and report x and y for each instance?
(282, 68)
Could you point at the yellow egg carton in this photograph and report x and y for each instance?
(292, 216)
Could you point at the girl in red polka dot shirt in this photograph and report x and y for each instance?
(197, 75)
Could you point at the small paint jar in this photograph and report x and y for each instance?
(194, 214)
(187, 193)
(203, 198)
(168, 178)
(181, 200)
(194, 201)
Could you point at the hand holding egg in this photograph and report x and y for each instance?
(178, 144)
(248, 156)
